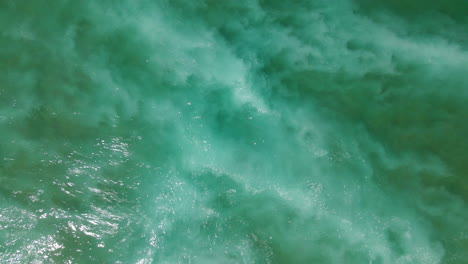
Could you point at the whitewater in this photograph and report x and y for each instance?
(223, 131)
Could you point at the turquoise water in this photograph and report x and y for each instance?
(224, 131)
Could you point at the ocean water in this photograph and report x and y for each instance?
(234, 131)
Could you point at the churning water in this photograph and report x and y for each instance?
(234, 131)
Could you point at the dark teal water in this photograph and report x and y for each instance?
(225, 131)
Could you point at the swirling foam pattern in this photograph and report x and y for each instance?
(234, 131)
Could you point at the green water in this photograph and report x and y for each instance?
(234, 131)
